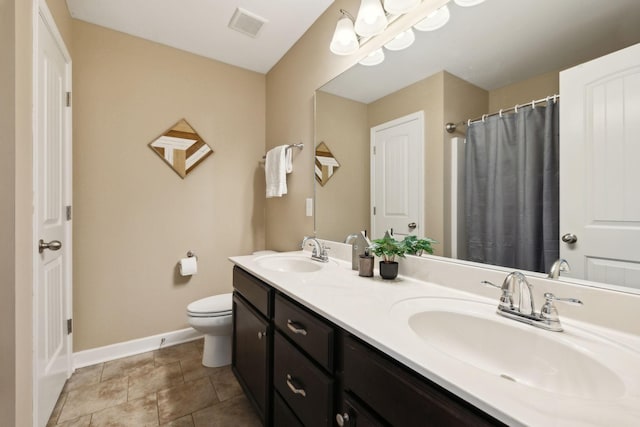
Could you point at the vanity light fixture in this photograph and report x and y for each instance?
(468, 3)
(371, 18)
(344, 41)
(402, 40)
(399, 7)
(435, 20)
(374, 58)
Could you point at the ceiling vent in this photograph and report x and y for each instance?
(246, 22)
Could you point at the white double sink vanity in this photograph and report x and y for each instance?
(439, 324)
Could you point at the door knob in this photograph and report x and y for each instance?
(412, 225)
(569, 238)
(53, 245)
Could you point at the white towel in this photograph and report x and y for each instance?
(277, 165)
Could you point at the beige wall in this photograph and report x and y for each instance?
(290, 85)
(7, 210)
(15, 211)
(134, 217)
(525, 91)
(342, 204)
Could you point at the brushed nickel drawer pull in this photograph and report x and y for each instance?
(296, 328)
(262, 334)
(295, 389)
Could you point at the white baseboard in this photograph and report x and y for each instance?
(129, 348)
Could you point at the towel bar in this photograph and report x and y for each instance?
(299, 145)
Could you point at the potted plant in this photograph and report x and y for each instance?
(387, 249)
(415, 246)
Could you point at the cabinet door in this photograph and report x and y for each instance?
(251, 359)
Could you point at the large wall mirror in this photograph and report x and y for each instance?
(486, 58)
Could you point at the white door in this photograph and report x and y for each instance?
(397, 158)
(600, 168)
(52, 344)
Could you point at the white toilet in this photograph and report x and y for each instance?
(212, 316)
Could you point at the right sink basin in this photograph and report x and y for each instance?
(571, 363)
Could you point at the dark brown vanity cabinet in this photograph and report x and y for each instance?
(298, 369)
(252, 349)
(397, 395)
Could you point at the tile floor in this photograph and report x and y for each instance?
(166, 387)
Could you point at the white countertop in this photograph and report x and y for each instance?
(362, 306)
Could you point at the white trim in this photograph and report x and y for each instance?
(129, 348)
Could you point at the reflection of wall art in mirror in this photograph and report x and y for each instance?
(181, 147)
(326, 164)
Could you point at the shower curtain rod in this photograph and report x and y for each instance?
(451, 127)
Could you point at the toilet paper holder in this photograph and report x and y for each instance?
(191, 254)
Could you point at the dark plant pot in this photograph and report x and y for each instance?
(388, 270)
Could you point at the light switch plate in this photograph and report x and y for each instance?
(309, 206)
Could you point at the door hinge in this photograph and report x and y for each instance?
(69, 326)
(68, 99)
(374, 210)
(374, 150)
(68, 213)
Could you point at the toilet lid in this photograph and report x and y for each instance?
(217, 305)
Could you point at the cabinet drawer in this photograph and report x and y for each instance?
(307, 390)
(282, 414)
(313, 335)
(253, 290)
(401, 397)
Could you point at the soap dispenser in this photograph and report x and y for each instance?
(359, 242)
(365, 262)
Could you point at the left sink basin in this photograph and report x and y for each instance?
(289, 263)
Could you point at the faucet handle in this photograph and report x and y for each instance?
(549, 298)
(486, 282)
(506, 299)
(549, 312)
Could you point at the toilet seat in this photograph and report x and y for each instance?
(214, 306)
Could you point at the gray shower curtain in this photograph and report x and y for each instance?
(512, 189)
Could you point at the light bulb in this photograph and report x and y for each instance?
(399, 7)
(374, 58)
(371, 19)
(402, 40)
(435, 20)
(344, 41)
(468, 3)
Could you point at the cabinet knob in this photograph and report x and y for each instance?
(342, 419)
(262, 334)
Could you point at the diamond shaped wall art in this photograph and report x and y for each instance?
(181, 148)
(326, 165)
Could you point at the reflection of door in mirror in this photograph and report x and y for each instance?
(599, 168)
(397, 195)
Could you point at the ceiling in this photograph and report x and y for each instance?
(201, 26)
(500, 42)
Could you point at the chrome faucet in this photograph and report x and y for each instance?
(525, 310)
(319, 252)
(558, 266)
